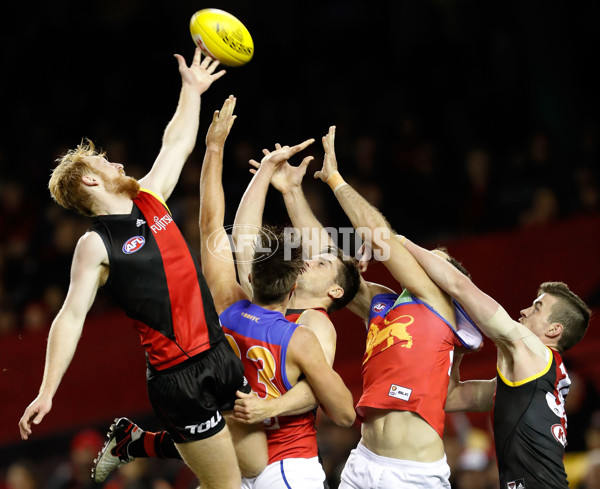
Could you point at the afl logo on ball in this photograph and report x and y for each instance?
(133, 244)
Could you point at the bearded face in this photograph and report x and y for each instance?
(122, 185)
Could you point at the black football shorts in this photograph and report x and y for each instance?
(189, 398)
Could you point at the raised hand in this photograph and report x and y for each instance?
(286, 176)
(329, 160)
(221, 124)
(201, 73)
(273, 159)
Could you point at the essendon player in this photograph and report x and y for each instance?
(265, 343)
(136, 251)
(532, 383)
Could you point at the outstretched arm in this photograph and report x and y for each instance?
(215, 251)
(376, 231)
(86, 271)
(520, 351)
(248, 218)
(180, 135)
(288, 181)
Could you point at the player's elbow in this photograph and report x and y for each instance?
(456, 283)
(345, 415)
(347, 420)
(209, 221)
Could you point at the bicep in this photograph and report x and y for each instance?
(512, 336)
(86, 270)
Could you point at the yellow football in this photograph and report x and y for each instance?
(221, 36)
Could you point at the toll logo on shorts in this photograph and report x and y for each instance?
(133, 244)
(518, 484)
(400, 392)
(196, 429)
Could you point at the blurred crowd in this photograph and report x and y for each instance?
(429, 198)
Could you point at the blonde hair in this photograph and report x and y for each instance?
(65, 182)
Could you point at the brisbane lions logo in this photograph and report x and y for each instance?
(390, 333)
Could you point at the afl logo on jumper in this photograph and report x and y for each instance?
(380, 306)
(133, 244)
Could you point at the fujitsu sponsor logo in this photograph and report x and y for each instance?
(133, 244)
(161, 223)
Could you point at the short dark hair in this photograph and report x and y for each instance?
(276, 265)
(570, 311)
(348, 278)
(457, 264)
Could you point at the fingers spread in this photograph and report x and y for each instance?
(197, 56)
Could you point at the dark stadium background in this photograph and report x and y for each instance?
(471, 124)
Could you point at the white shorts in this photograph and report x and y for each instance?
(367, 470)
(296, 473)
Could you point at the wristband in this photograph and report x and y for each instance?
(335, 181)
(403, 240)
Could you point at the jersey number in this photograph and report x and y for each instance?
(265, 367)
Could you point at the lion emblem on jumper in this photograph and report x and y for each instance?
(390, 333)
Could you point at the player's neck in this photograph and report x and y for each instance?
(107, 204)
(303, 300)
(281, 306)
